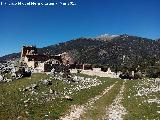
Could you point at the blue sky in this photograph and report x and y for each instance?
(43, 26)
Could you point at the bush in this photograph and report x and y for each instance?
(126, 76)
(138, 75)
(152, 72)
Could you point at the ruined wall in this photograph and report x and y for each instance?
(28, 50)
(31, 64)
(67, 58)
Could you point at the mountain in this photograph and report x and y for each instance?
(11, 56)
(106, 37)
(115, 51)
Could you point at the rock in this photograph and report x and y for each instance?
(8, 80)
(34, 93)
(13, 75)
(53, 70)
(19, 118)
(26, 101)
(1, 78)
(46, 82)
(25, 89)
(51, 91)
(68, 98)
(34, 86)
(157, 81)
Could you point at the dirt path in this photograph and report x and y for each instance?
(116, 111)
(77, 111)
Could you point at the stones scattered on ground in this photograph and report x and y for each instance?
(82, 83)
(32, 87)
(156, 100)
(76, 111)
(147, 90)
(2, 79)
(79, 83)
(148, 86)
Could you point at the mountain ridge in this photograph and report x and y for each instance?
(120, 51)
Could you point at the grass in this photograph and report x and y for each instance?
(12, 99)
(135, 105)
(42, 106)
(98, 109)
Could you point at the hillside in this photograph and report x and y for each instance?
(125, 51)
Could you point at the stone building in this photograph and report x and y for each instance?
(66, 58)
(32, 59)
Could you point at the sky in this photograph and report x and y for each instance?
(48, 25)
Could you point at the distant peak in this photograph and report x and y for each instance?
(106, 37)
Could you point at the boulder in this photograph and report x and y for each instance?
(1, 78)
(51, 91)
(68, 98)
(34, 86)
(8, 80)
(46, 82)
(13, 75)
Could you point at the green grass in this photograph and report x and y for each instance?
(12, 99)
(13, 106)
(99, 107)
(135, 105)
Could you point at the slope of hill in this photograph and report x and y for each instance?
(119, 51)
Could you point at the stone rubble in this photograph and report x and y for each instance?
(82, 83)
(157, 101)
(153, 87)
